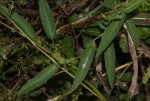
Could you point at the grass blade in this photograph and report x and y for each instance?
(39, 79)
(109, 35)
(110, 59)
(47, 19)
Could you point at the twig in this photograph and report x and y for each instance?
(79, 23)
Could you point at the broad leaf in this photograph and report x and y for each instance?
(68, 46)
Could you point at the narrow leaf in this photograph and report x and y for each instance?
(133, 31)
(133, 4)
(100, 94)
(124, 8)
(109, 35)
(110, 59)
(20, 23)
(47, 19)
(84, 65)
(39, 79)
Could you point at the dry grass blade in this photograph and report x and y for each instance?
(133, 90)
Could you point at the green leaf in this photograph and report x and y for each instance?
(133, 31)
(124, 8)
(133, 4)
(95, 28)
(92, 31)
(40, 59)
(84, 65)
(67, 46)
(109, 34)
(123, 43)
(126, 77)
(86, 40)
(95, 89)
(20, 23)
(39, 79)
(94, 10)
(109, 3)
(144, 32)
(110, 63)
(47, 19)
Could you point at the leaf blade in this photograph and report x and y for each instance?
(133, 32)
(132, 5)
(47, 19)
(110, 59)
(20, 23)
(39, 79)
(114, 27)
(84, 65)
(109, 3)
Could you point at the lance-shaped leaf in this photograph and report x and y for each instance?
(47, 19)
(110, 63)
(133, 32)
(20, 23)
(39, 79)
(133, 4)
(84, 65)
(109, 35)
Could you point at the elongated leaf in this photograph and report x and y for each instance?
(124, 8)
(39, 79)
(133, 31)
(109, 35)
(133, 4)
(47, 19)
(100, 94)
(84, 65)
(20, 23)
(110, 63)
